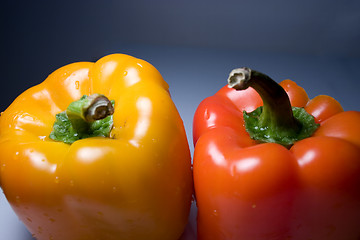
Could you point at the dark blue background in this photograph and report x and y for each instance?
(194, 44)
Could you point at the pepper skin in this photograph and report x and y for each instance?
(137, 184)
(265, 191)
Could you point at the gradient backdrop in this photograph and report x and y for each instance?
(193, 43)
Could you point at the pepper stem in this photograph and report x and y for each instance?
(275, 120)
(87, 110)
(90, 116)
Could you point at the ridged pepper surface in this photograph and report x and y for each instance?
(97, 151)
(289, 170)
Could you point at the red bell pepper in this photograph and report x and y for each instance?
(271, 164)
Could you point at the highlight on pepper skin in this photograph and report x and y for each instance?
(114, 165)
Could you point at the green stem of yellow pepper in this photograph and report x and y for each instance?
(88, 109)
(90, 116)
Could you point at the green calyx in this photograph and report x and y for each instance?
(90, 116)
(276, 121)
(276, 134)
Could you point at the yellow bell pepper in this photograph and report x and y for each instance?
(133, 182)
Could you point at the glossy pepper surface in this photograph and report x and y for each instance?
(261, 189)
(133, 182)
